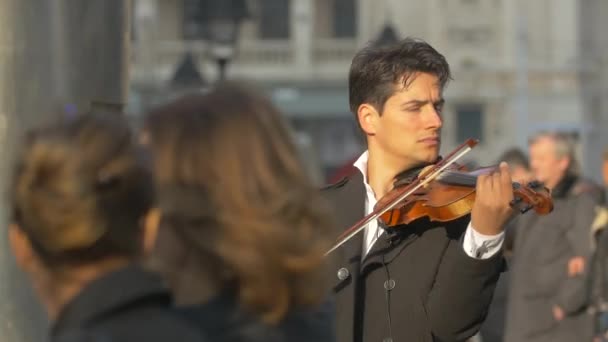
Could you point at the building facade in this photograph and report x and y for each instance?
(518, 65)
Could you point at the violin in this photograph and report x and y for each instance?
(444, 192)
(452, 194)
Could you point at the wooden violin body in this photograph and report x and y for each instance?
(438, 202)
(452, 195)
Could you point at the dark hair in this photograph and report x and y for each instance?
(232, 188)
(80, 189)
(515, 157)
(376, 70)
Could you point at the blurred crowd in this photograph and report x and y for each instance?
(554, 288)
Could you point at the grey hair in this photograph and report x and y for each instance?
(564, 148)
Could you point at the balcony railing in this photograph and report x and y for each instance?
(334, 50)
(273, 52)
(254, 58)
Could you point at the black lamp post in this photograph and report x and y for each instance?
(187, 75)
(387, 36)
(223, 19)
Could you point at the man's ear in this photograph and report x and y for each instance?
(150, 230)
(367, 116)
(21, 246)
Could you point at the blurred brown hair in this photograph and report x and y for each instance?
(80, 188)
(232, 187)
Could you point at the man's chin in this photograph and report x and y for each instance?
(429, 159)
(432, 155)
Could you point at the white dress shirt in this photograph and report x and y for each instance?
(475, 244)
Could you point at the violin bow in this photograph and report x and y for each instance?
(421, 181)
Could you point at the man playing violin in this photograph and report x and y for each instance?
(426, 281)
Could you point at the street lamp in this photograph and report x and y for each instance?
(223, 19)
(387, 36)
(187, 75)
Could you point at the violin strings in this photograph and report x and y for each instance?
(458, 178)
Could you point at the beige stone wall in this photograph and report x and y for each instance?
(480, 38)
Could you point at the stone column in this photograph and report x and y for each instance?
(25, 86)
(52, 53)
(302, 12)
(91, 40)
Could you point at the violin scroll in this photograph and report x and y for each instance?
(532, 196)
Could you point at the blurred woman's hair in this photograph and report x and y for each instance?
(232, 188)
(80, 190)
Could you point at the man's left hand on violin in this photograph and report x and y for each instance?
(491, 210)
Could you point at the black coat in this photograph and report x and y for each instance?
(123, 306)
(493, 328)
(416, 284)
(598, 296)
(222, 320)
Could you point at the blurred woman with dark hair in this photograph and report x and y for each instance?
(242, 230)
(80, 194)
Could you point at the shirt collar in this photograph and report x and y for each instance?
(405, 176)
(361, 164)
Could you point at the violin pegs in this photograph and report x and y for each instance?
(535, 184)
(526, 209)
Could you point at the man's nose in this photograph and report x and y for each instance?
(434, 119)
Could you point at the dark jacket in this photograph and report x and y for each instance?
(493, 327)
(123, 306)
(598, 296)
(539, 272)
(416, 284)
(222, 320)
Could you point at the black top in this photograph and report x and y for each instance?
(126, 305)
(221, 319)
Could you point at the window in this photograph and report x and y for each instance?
(344, 18)
(193, 22)
(469, 122)
(134, 21)
(198, 13)
(273, 19)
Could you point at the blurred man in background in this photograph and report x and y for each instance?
(548, 289)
